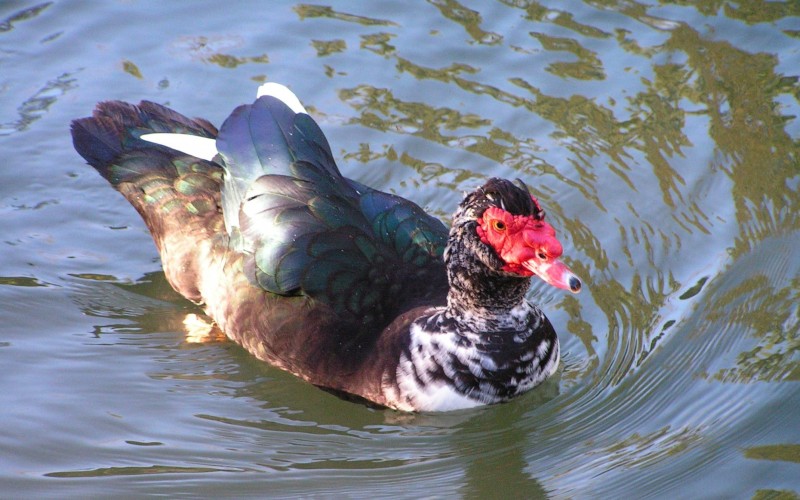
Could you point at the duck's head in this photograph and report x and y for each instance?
(504, 227)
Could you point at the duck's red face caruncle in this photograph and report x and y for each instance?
(527, 245)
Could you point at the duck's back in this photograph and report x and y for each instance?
(304, 268)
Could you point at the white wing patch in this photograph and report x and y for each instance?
(282, 93)
(199, 147)
(205, 148)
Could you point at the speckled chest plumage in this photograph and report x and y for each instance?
(460, 362)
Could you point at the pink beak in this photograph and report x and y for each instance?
(555, 273)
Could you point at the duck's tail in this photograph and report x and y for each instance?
(115, 128)
(177, 195)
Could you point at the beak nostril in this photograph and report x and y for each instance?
(574, 284)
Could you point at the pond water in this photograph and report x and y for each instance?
(661, 138)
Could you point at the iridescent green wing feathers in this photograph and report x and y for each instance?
(308, 230)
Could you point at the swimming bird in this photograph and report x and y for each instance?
(354, 290)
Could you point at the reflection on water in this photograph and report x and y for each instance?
(661, 138)
(25, 14)
(764, 305)
(38, 104)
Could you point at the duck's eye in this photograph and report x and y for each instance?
(498, 225)
(542, 255)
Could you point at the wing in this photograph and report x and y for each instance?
(307, 230)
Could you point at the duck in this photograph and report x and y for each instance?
(354, 290)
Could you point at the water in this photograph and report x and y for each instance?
(661, 138)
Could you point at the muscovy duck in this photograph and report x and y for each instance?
(356, 291)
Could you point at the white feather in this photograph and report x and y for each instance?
(205, 148)
(284, 94)
(200, 147)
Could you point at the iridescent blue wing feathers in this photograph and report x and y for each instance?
(308, 230)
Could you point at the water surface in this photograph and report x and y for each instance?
(662, 139)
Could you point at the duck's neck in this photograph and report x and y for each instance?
(479, 297)
(479, 302)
